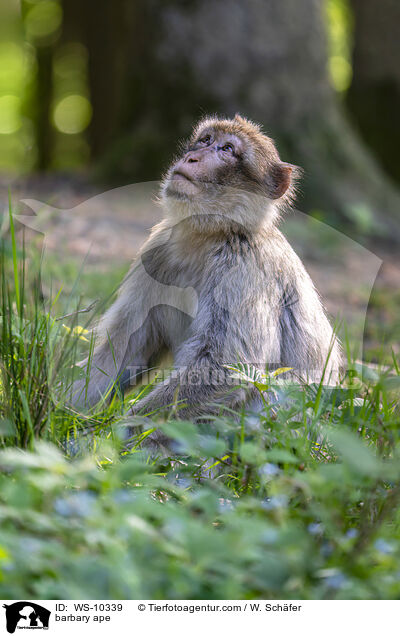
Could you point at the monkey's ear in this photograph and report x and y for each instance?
(279, 179)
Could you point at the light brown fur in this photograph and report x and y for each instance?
(216, 282)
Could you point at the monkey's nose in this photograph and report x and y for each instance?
(192, 157)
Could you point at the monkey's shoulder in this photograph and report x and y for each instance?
(279, 253)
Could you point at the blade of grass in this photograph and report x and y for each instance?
(14, 254)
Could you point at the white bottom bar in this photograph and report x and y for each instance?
(166, 617)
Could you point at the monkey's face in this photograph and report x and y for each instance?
(212, 159)
(226, 167)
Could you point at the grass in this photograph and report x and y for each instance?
(297, 502)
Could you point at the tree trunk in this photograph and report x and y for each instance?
(265, 59)
(374, 95)
(100, 25)
(42, 100)
(44, 56)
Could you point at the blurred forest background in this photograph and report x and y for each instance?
(95, 95)
(106, 88)
(300, 501)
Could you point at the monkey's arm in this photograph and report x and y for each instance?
(129, 334)
(229, 327)
(308, 342)
(126, 336)
(197, 379)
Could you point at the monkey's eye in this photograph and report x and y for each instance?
(205, 140)
(228, 148)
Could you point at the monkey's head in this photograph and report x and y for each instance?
(228, 169)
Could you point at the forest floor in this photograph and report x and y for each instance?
(318, 478)
(99, 233)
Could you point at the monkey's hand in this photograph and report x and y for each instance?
(190, 392)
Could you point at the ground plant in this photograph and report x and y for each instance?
(301, 500)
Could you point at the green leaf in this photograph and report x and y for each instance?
(281, 370)
(252, 454)
(280, 455)
(354, 452)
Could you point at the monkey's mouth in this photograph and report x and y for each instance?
(177, 175)
(197, 180)
(182, 186)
